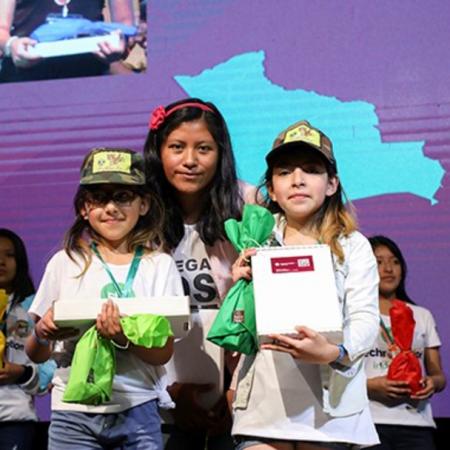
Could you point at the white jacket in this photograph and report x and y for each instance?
(279, 397)
(344, 390)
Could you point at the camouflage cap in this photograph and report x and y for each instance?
(303, 133)
(113, 165)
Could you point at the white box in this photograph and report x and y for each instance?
(66, 47)
(296, 285)
(82, 313)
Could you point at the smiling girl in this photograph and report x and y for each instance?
(190, 164)
(304, 392)
(109, 252)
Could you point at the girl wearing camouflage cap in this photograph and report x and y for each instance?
(304, 392)
(109, 252)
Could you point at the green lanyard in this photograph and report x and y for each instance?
(127, 290)
(386, 334)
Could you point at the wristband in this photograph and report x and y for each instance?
(120, 347)
(336, 364)
(342, 353)
(40, 341)
(7, 49)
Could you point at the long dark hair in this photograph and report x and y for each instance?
(224, 200)
(378, 241)
(22, 284)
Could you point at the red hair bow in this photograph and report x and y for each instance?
(157, 118)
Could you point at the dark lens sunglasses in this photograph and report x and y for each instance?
(121, 197)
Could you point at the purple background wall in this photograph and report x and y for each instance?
(394, 55)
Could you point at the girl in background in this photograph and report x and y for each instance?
(304, 392)
(190, 164)
(403, 419)
(109, 251)
(19, 378)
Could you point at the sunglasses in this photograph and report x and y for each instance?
(120, 197)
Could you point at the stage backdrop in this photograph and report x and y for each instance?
(373, 75)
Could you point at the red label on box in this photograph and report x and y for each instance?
(292, 264)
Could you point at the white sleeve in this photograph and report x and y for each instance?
(18, 355)
(169, 279)
(249, 192)
(361, 310)
(431, 335)
(49, 287)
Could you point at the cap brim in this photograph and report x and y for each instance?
(283, 148)
(105, 179)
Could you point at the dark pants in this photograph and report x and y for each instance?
(399, 437)
(247, 442)
(17, 435)
(180, 440)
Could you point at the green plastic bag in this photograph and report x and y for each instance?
(94, 361)
(235, 324)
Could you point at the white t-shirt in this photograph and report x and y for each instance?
(377, 363)
(192, 262)
(196, 360)
(135, 381)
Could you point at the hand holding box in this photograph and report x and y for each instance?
(81, 313)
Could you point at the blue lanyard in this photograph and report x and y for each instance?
(127, 290)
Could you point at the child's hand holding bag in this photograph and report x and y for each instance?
(94, 362)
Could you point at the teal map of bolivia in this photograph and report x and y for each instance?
(368, 167)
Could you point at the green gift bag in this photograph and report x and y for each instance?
(235, 324)
(94, 361)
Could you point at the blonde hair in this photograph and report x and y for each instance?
(336, 220)
(333, 220)
(147, 232)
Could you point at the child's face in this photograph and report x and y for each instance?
(300, 184)
(113, 211)
(7, 264)
(189, 158)
(390, 271)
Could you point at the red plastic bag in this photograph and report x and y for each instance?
(405, 366)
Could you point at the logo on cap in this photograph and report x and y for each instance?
(111, 162)
(303, 133)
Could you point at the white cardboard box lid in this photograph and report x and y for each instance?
(66, 47)
(295, 285)
(79, 312)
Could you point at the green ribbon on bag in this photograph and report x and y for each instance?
(94, 361)
(235, 324)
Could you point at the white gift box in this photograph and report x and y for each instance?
(66, 47)
(83, 313)
(293, 286)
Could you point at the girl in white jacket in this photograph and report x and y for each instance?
(305, 392)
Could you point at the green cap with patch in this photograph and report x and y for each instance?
(302, 133)
(113, 165)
